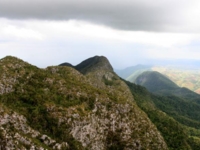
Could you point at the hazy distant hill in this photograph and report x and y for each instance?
(183, 76)
(181, 103)
(159, 84)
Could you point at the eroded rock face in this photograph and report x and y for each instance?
(15, 133)
(113, 125)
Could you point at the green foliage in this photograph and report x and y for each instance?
(185, 112)
(179, 103)
(172, 131)
(194, 142)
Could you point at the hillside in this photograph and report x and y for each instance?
(157, 83)
(179, 103)
(176, 135)
(188, 77)
(60, 108)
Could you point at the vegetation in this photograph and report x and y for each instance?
(169, 114)
(172, 131)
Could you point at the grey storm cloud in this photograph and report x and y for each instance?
(144, 15)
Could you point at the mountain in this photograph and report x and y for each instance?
(183, 76)
(175, 134)
(62, 108)
(157, 83)
(180, 103)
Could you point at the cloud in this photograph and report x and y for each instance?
(80, 30)
(45, 43)
(137, 15)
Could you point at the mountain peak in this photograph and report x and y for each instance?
(94, 63)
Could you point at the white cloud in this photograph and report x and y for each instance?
(46, 43)
(84, 30)
(13, 31)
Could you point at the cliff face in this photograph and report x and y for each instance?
(60, 108)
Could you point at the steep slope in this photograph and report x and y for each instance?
(180, 103)
(58, 107)
(173, 132)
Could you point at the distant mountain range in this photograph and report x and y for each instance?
(89, 106)
(183, 76)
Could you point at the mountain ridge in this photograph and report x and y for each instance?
(61, 107)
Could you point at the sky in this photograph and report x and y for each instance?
(127, 32)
